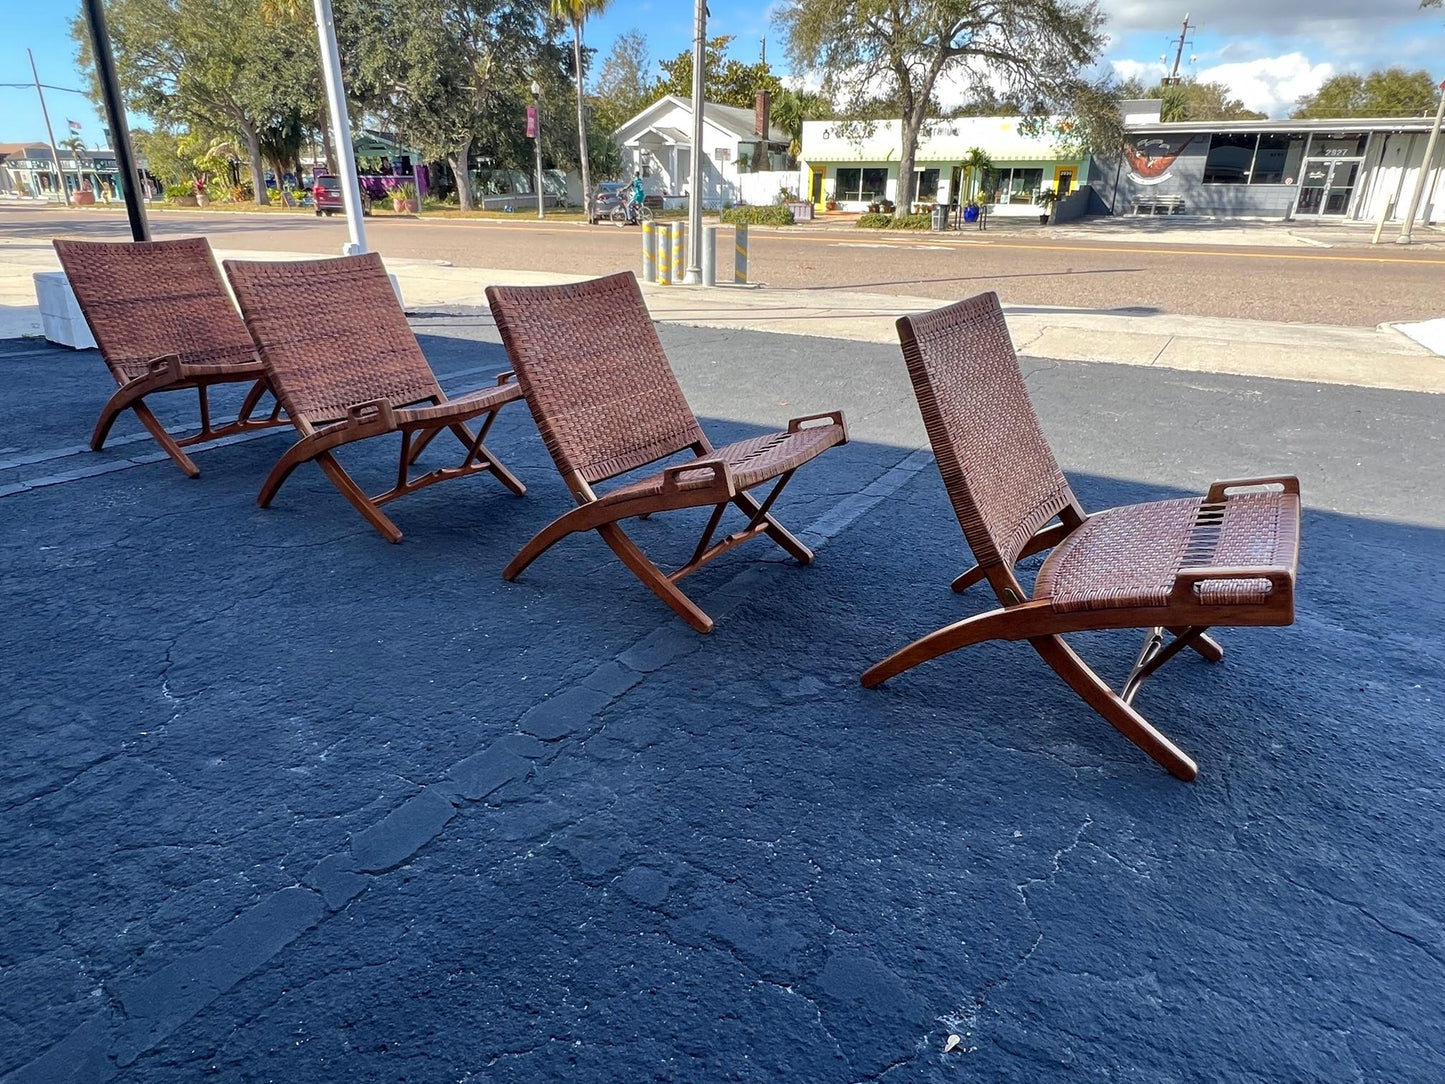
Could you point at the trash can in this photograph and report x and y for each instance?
(940, 217)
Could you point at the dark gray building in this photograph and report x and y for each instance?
(1344, 169)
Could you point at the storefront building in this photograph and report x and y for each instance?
(1308, 169)
(853, 165)
(27, 170)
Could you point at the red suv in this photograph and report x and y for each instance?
(326, 196)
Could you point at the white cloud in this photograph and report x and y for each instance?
(1147, 72)
(1269, 84)
(1291, 17)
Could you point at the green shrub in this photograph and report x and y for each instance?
(180, 190)
(895, 222)
(773, 215)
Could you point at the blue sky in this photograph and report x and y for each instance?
(1268, 51)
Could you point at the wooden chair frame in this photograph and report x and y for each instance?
(604, 515)
(378, 418)
(164, 322)
(1184, 614)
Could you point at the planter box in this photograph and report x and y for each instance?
(60, 315)
(84, 198)
(802, 211)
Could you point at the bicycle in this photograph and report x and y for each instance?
(621, 217)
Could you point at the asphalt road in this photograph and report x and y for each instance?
(1345, 285)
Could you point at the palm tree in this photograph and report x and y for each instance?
(975, 162)
(576, 12)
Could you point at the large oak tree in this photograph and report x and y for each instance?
(1034, 51)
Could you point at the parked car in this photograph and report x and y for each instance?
(609, 195)
(326, 197)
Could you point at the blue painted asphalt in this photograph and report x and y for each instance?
(284, 802)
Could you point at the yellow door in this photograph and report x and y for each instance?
(815, 185)
(1064, 180)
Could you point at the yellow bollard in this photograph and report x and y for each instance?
(664, 254)
(679, 252)
(740, 255)
(649, 252)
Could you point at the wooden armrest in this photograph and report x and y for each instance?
(376, 414)
(167, 365)
(832, 417)
(722, 477)
(1277, 575)
(506, 378)
(1219, 490)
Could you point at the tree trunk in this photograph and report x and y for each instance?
(258, 168)
(460, 161)
(327, 150)
(911, 123)
(582, 122)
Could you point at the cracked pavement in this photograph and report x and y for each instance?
(283, 802)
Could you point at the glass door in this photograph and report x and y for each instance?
(1326, 187)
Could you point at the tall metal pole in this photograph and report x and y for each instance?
(694, 200)
(55, 152)
(537, 140)
(340, 128)
(1420, 182)
(128, 175)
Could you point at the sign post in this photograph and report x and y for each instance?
(534, 129)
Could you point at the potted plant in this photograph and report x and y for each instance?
(971, 211)
(403, 198)
(1046, 199)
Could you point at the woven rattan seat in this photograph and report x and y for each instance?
(1132, 556)
(163, 322)
(345, 364)
(1177, 566)
(607, 402)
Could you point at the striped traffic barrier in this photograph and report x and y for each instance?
(709, 256)
(740, 254)
(663, 253)
(649, 252)
(679, 252)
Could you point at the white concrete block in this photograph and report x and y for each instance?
(396, 288)
(60, 317)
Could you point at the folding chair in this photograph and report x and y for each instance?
(606, 401)
(163, 322)
(1181, 566)
(346, 366)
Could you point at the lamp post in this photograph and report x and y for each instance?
(693, 275)
(1404, 238)
(536, 127)
(115, 113)
(340, 129)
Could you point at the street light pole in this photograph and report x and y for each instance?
(693, 276)
(1404, 238)
(537, 139)
(340, 128)
(60, 173)
(115, 113)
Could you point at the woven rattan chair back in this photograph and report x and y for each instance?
(148, 299)
(596, 379)
(998, 469)
(331, 334)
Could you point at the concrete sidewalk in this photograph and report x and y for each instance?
(1379, 357)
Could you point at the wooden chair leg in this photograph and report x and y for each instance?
(654, 577)
(960, 634)
(295, 455)
(968, 579)
(1207, 646)
(252, 400)
(117, 404)
(164, 439)
(1112, 707)
(775, 530)
(358, 498)
(479, 451)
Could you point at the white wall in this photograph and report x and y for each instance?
(762, 188)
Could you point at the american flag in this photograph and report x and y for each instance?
(74, 125)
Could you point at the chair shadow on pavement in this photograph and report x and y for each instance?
(560, 836)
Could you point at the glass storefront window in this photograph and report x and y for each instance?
(1229, 159)
(1278, 159)
(1348, 145)
(875, 185)
(927, 186)
(846, 186)
(1025, 185)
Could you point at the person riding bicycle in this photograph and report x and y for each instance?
(635, 198)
